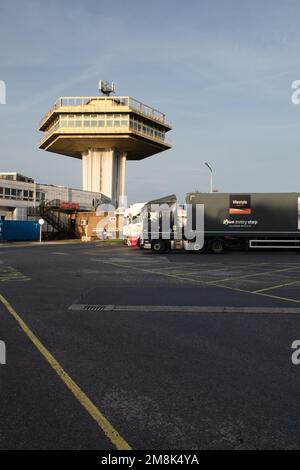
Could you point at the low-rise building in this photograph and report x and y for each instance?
(18, 193)
(21, 198)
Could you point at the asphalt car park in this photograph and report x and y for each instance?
(111, 347)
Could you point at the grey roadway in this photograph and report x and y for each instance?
(164, 380)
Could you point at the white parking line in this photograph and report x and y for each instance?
(60, 253)
(182, 308)
(129, 261)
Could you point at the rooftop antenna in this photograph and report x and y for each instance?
(106, 88)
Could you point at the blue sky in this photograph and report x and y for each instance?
(221, 71)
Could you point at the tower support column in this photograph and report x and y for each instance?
(103, 171)
(122, 173)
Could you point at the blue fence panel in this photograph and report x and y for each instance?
(19, 230)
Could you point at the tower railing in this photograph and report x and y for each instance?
(84, 127)
(112, 130)
(107, 102)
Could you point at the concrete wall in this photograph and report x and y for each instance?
(104, 171)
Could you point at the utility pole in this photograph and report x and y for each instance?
(211, 176)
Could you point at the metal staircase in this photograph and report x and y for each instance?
(55, 217)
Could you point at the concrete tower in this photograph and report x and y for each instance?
(104, 131)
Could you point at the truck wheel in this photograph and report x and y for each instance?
(158, 246)
(217, 246)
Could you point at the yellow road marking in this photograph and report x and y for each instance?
(288, 299)
(8, 273)
(198, 271)
(176, 276)
(110, 432)
(236, 278)
(195, 271)
(203, 282)
(277, 287)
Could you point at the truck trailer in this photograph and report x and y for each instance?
(250, 221)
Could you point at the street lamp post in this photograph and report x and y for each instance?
(41, 223)
(211, 176)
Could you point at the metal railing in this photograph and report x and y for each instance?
(149, 133)
(107, 102)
